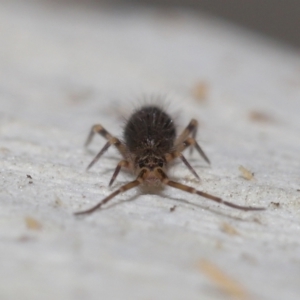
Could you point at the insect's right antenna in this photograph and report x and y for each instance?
(123, 188)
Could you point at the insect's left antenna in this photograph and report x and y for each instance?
(189, 189)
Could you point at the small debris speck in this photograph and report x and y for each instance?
(58, 202)
(260, 117)
(32, 223)
(200, 91)
(246, 174)
(227, 228)
(173, 208)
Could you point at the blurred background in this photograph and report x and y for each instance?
(275, 18)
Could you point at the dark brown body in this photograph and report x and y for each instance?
(149, 134)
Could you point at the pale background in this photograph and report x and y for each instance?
(64, 68)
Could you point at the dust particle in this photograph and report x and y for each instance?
(32, 223)
(246, 174)
(173, 208)
(260, 117)
(227, 228)
(58, 202)
(200, 91)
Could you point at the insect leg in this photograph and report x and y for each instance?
(111, 141)
(190, 129)
(103, 132)
(96, 158)
(122, 163)
(192, 142)
(171, 156)
(97, 129)
(189, 166)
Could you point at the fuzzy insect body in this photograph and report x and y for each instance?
(149, 134)
(150, 144)
(150, 130)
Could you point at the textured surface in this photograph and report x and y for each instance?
(63, 69)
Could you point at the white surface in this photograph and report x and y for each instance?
(63, 69)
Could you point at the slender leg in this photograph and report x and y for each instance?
(96, 158)
(187, 141)
(123, 188)
(100, 130)
(189, 166)
(122, 163)
(192, 142)
(194, 134)
(190, 129)
(171, 156)
(191, 190)
(103, 132)
(111, 141)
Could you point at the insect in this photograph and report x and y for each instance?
(150, 144)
